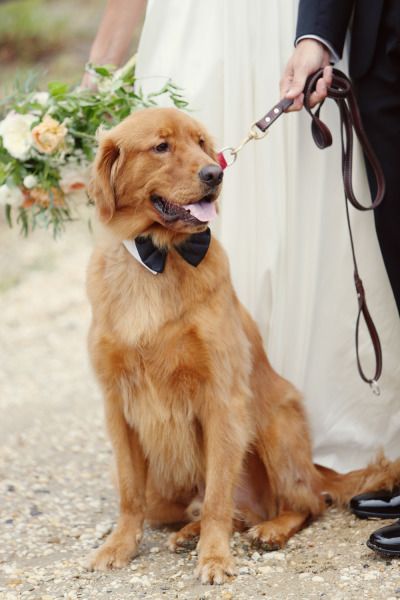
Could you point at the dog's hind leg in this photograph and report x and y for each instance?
(185, 537)
(273, 534)
(284, 446)
(160, 511)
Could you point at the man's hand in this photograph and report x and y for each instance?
(308, 56)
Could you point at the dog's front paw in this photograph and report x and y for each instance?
(115, 553)
(215, 569)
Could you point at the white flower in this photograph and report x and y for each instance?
(11, 195)
(106, 84)
(30, 181)
(15, 130)
(41, 98)
(74, 177)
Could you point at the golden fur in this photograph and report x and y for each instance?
(203, 429)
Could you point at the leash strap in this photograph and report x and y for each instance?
(341, 91)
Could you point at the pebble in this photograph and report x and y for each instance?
(371, 575)
(140, 580)
(102, 530)
(265, 570)
(34, 511)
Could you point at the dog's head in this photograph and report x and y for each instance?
(156, 173)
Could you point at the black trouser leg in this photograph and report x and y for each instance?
(378, 93)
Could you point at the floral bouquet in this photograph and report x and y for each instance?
(48, 140)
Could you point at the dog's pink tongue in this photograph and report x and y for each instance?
(203, 211)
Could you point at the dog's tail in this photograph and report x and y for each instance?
(381, 474)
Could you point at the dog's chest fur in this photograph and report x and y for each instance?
(170, 438)
(163, 373)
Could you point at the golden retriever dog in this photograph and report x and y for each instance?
(203, 430)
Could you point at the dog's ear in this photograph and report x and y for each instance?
(101, 188)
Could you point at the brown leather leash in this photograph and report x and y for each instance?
(341, 91)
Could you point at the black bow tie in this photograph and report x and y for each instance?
(193, 250)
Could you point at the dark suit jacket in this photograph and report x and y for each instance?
(329, 19)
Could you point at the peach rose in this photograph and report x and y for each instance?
(48, 135)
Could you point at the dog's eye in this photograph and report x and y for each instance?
(202, 143)
(160, 148)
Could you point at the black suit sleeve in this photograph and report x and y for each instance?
(328, 19)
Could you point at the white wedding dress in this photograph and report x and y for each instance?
(282, 217)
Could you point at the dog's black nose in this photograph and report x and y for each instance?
(211, 175)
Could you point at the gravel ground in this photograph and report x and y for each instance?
(57, 501)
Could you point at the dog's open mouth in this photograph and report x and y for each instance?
(196, 213)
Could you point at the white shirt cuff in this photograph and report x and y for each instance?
(334, 56)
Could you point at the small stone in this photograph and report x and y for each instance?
(176, 575)
(11, 488)
(265, 570)
(317, 579)
(34, 511)
(14, 582)
(140, 580)
(102, 529)
(244, 571)
(371, 575)
(255, 556)
(155, 550)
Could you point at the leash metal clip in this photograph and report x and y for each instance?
(253, 134)
(375, 387)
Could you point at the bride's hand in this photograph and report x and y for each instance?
(308, 56)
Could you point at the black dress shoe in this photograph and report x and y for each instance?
(381, 505)
(386, 540)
